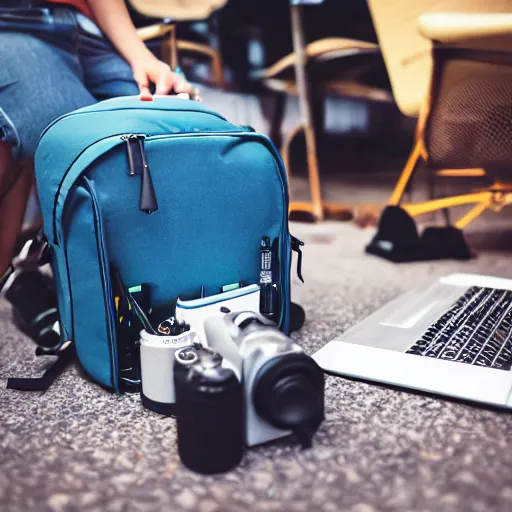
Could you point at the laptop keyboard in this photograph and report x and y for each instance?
(477, 329)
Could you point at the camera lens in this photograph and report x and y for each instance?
(295, 400)
(288, 392)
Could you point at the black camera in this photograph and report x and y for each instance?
(209, 411)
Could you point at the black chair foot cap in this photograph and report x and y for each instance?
(397, 240)
(445, 243)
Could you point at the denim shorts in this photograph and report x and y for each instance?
(52, 66)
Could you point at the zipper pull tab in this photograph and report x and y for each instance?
(297, 247)
(132, 166)
(148, 201)
(138, 166)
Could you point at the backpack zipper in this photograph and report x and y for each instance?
(138, 166)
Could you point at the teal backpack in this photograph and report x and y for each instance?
(163, 195)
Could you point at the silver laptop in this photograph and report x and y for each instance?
(452, 338)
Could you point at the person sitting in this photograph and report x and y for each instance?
(58, 56)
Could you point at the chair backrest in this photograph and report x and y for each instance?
(406, 53)
(178, 10)
(469, 105)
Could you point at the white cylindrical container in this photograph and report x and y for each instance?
(156, 364)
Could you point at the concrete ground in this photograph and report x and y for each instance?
(77, 447)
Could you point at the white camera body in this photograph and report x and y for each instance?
(275, 373)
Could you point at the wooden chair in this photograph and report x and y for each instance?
(172, 12)
(450, 65)
(292, 75)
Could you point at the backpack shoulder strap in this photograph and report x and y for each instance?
(37, 318)
(43, 383)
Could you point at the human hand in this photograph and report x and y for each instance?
(151, 70)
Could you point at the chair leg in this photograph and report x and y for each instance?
(472, 215)
(454, 173)
(313, 172)
(286, 150)
(173, 49)
(218, 70)
(409, 168)
(462, 173)
(417, 209)
(300, 210)
(315, 209)
(318, 98)
(214, 55)
(303, 210)
(168, 48)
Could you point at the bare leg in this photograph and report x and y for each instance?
(12, 208)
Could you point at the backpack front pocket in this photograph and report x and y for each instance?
(88, 272)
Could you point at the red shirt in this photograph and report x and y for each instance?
(81, 5)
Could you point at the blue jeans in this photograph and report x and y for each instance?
(51, 67)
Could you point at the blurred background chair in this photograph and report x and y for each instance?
(450, 64)
(329, 66)
(176, 29)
